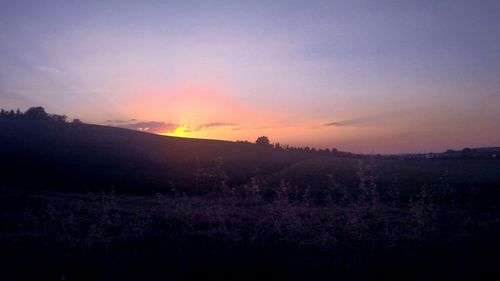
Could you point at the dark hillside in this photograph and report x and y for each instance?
(83, 156)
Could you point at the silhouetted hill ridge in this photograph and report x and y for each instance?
(94, 156)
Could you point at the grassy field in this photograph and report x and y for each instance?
(51, 235)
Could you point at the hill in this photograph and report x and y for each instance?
(83, 156)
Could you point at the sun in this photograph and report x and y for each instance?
(181, 131)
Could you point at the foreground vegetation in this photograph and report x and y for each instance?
(249, 232)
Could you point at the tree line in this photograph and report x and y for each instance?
(264, 141)
(36, 113)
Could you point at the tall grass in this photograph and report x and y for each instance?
(340, 227)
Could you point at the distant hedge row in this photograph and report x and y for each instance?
(34, 113)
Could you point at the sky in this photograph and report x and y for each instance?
(361, 76)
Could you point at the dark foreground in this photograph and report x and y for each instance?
(107, 236)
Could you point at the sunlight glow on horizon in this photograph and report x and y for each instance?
(181, 131)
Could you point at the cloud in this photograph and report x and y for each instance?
(151, 126)
(48, 69)
(208, 126)
(354, 122)
(217, 124)
(120, 121)
(364, 121)
(165, 127)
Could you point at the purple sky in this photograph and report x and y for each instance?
(364, 76)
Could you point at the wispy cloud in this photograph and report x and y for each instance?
(364, 121)
(208, 126)
(48, 69)
(217, 124)
(151, 126)
(121, 121)
(355, 122)
(165, 127)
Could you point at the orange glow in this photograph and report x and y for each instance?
(181, 131)
(196, 106)
(193, 105)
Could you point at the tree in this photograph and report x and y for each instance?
(36, 113)
(264, 141)
(58, 118)
(467, 150)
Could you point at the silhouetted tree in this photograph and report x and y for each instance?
(58, 118)
(4, 114)
(262, 141)
(36, 113)
(76, 121)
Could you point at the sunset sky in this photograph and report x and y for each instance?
(362, 76)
